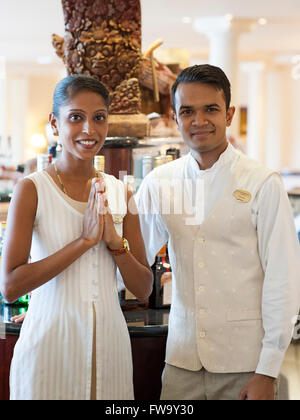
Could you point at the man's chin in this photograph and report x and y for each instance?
(199, 147)
(204, 145)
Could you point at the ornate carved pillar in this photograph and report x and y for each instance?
(103, 39)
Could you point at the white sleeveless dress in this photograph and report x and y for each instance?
(53, 356)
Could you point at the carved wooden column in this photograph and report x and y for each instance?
(103, 39)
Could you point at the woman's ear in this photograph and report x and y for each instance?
(174, 116)
(53, 124)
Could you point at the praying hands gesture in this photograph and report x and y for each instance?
(98, 222)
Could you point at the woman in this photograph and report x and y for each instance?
(74, 342)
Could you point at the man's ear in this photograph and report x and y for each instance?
(53, 124)
(229, 115)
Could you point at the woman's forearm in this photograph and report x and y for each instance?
(137, 277)
(27, 277)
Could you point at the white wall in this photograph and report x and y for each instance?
(275, 136)
(29, 102)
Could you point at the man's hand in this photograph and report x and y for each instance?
(259, 387)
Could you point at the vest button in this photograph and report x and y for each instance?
(202, 334)
(201, 240)
(201, 264)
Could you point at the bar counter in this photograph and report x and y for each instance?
(148, 330)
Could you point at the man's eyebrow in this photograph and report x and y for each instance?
(204, 106)
(212, 105)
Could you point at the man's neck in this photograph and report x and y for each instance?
(207, 159)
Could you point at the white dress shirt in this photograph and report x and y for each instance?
(278, 246)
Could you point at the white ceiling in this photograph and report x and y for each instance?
(26, 26)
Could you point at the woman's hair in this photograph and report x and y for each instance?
(71, 85)
(206, 74)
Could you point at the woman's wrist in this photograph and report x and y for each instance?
(85, 243)
(115, 244)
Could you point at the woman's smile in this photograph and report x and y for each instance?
(87, 144)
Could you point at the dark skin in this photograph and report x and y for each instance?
(82, 126)
(202, 118)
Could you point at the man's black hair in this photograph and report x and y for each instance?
(206, 74)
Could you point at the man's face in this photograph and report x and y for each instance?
(201, 116)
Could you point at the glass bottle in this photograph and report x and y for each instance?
(129, 180)
(99, 163)
(158, 161)
(146, 165)
(161, 295)
(43, 160)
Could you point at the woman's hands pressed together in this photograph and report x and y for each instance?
(93, 221)
(98, 222)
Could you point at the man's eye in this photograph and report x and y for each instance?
(212, 109)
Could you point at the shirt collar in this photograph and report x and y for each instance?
(226, 157)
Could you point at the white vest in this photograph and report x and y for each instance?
(216, 319)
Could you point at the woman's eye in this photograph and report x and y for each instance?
(186, 112)
(75, 117)
(100, 117)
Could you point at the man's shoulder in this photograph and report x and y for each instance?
(169, 170)
(164, 173)
(250, 164)
(252, 174)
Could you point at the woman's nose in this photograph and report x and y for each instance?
(88, 126)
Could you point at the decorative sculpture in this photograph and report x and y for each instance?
(103, 39)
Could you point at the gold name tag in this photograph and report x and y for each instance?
(242, 195)
(117, 219)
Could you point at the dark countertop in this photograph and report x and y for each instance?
(141, 323)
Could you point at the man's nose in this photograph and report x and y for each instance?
(199, 118)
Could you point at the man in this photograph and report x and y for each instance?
(234, 254)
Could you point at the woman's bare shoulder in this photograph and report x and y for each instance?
(25, 186)
(25, 194)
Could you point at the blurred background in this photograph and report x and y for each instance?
(256, 43)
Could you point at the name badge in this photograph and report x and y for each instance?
(242, 195)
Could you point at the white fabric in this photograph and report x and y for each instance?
(53, 356)
(276, 254)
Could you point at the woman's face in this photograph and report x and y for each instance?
(82, 124)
